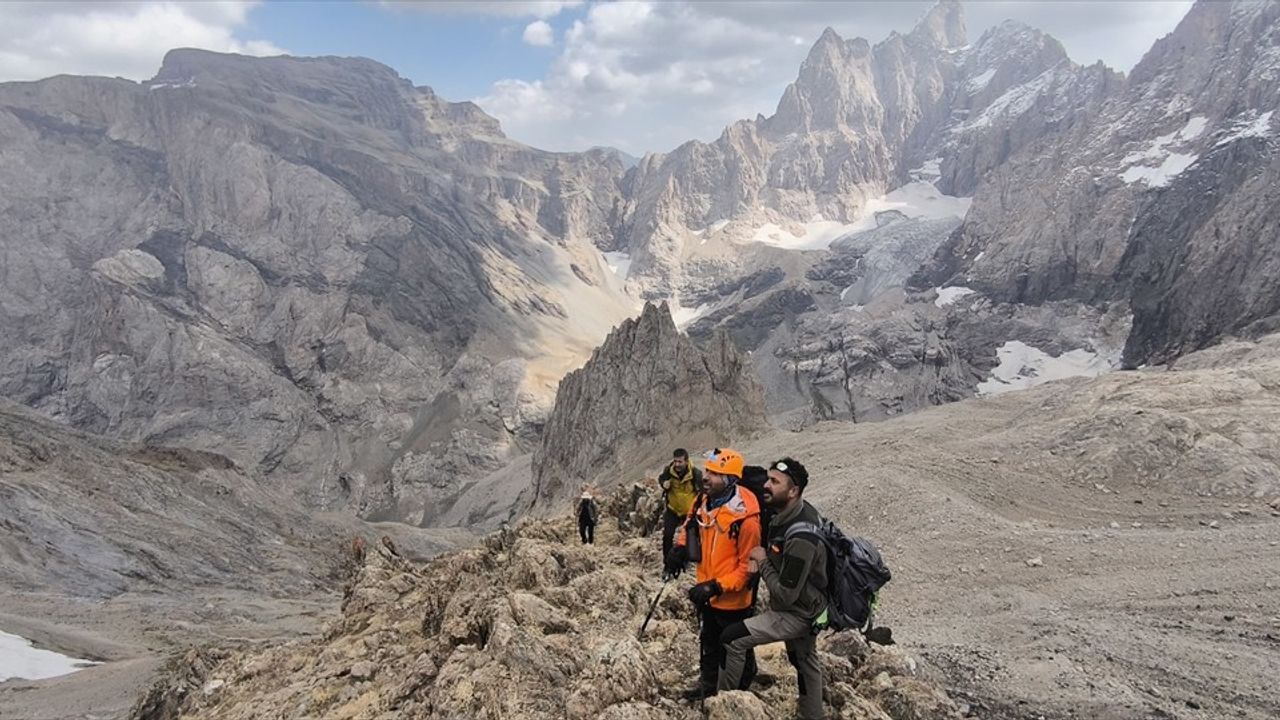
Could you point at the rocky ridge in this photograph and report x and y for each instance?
(529, 625)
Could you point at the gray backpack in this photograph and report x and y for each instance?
(855, 573)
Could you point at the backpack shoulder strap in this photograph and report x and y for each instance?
(803, 528)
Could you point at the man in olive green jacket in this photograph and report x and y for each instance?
(794, 569)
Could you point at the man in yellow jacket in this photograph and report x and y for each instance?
(723, 529)
(679, 481)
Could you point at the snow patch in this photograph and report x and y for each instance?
(916, 200)
(813, 235)
(1022, 366)
(19, 659)
(979, 256)
(948, 295)
(1258, 127)
(979, 82)
(930, 171)
(188, 83)
(717, 226)
(1159, 147)
(684, 316)
(1015, 101)
(1138, 167)
(619, 263)
(1160, 175)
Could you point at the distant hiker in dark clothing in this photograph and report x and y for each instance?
(588, 515)
(794, 568)
(721, 531)
(679, 482)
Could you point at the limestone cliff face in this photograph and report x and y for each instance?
(647, 389)
(336, 279)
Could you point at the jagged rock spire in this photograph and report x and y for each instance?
(645, 390)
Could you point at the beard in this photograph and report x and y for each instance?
(773, 502)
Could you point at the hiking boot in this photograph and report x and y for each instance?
(698, 693)
(764, 680)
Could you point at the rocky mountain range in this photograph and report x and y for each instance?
(1158, 193)
(1071, 199)
(366, 295)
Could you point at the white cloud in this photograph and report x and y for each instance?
(125, 39)
(539, 34)
(647, 76)
(500, 8)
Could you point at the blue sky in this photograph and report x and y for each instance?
(459, 55)
(559, 74)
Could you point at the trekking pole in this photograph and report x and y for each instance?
(653, 606)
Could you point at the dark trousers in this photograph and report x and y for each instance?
(670, 521)
(587, 531)
(712, 648)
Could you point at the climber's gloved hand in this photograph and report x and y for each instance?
(702, 593)
(675, 561)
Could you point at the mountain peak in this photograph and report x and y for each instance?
(943, 25)
(828, 48)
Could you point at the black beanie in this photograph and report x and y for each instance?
(792, 469)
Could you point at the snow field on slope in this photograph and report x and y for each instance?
(20, 659)
(917, 200)
(1022, 366)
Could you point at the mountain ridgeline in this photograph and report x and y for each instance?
(367, 295)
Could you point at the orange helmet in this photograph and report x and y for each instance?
(724, 461)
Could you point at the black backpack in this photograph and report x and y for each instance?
(855, 572)
(753, 477)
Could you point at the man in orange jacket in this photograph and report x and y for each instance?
(722, 529)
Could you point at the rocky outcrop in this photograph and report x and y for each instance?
(909, 351)
(308, 265)
(646, 390)
(525, 626)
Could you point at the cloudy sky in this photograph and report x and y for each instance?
(559, 74)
